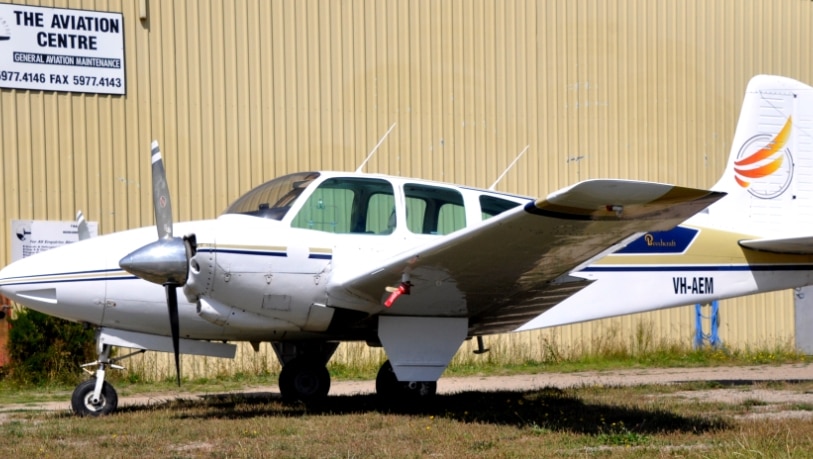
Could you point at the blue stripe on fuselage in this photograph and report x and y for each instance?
(647, 268)
(247, 252)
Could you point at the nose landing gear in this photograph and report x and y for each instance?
(96, 397)
(85, 402)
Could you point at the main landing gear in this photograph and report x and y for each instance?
(388, 387)
(96, 397)
(304, 376)
(304, 379)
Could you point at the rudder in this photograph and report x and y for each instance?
(769, 174)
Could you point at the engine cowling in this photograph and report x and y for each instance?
(228, 316)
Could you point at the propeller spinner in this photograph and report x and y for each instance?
(165, 261)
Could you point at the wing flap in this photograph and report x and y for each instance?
(507, 265)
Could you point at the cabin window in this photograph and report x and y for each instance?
(491, 206)
(348, 205)
(434, 210)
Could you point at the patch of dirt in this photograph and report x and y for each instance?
(743, 395)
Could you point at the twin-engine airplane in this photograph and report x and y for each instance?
(311, 259)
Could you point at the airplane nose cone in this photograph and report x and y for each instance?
(161, 262)
(67, 282)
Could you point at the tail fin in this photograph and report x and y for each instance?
(769, 175)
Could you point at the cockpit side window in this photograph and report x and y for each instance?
(434, 210)
(348, 205)
(273, 199)
(491, 206)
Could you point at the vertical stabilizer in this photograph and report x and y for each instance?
(769, 175)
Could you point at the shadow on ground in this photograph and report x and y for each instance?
(549, 408)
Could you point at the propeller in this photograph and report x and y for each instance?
(165, 261)
(82, 226)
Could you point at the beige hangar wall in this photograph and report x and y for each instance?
(241, 91)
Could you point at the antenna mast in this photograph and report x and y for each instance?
(375, 148)
(491, 188)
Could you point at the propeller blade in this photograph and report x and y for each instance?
(172, 306)
(160, 194)
(82, 226)
(165, 261)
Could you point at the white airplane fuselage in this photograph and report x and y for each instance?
(256, 291)
(690, 264)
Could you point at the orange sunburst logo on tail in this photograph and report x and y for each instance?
(759, 164)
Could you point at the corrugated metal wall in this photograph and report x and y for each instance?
(241, 91)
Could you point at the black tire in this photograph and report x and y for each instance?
(304, 380)
(386, 384)
(388, 387)
(83, 405)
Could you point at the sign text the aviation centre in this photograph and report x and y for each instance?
(53, 49)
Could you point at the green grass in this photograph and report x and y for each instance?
(589, 421)
(637, 422)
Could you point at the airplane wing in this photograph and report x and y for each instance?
(802, 245)
(514, 266)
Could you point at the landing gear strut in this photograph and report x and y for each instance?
(96, 397)
(388, 387)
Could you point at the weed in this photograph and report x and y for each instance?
(482, 445)
(751, 402)
(617, 434)
(536, 429)
(800, 407)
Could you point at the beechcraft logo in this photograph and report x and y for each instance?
(764, 166)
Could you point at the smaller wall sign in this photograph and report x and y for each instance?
(53, 49)
(29, 237)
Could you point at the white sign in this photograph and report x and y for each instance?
(29, 237)
(53, 49)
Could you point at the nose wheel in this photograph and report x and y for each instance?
(85, 403)
(97, 397)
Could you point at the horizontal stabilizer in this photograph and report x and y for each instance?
(802, 245)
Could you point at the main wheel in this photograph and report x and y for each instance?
(82, 399)
(304, 380)
(387, 386)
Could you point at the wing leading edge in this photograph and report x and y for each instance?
(802, 245)
(513, 267)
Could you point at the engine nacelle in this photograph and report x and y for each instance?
(229, 316)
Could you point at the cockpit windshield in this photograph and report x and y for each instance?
(273, 199)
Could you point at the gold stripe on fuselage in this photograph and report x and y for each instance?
(710, 247)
